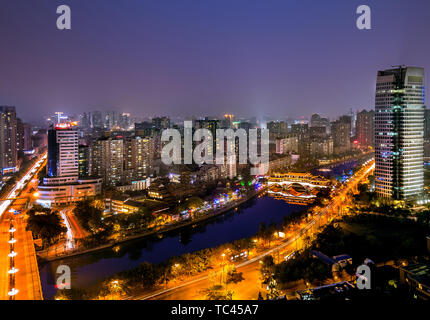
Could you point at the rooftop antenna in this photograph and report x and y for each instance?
(59, 114)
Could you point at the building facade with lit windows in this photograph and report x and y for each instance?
(364, 128)
(8, 142)
(62, 184)
(63, 153)
(399, 133)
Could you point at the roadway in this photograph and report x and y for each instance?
(248, 288)
(27, 280)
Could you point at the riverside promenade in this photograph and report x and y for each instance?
(52, 256)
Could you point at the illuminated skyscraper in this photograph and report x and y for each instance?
(399, 133)
(63, 153)
(8, 143)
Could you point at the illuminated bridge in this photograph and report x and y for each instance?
(304, 179)
(297, 185)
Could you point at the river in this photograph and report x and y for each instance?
(91, 268)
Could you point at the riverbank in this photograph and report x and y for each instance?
(90, 269)
(45, 257)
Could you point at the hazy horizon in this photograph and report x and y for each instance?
(249, 58)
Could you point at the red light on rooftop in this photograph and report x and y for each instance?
(60, 126)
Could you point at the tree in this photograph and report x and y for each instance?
(45, 223)
(88, 215)
(233, 276)
(192, 203)
(267, 268)
(264, 233)
(217, 292)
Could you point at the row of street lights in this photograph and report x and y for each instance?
(12, 270)
(13, 291)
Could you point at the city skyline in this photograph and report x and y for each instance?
(189, 150)
(246, 60)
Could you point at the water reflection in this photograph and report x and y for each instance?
(89, 269)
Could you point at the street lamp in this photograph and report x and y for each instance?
(13, 270)
(13, 292)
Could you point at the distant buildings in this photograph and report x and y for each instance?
(364, 128)
(161, 123)
(289, 144)
(23, 136)
(399, 128)
(277, 129)
(341, 132)
(8, 139)
(318, 121)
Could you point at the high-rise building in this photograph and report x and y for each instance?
(427, 125)
(19, 136)
(399, 130)
(212, 126)
(427, 133)
(23, 135)
(138, 158)
(40, 139)
(84, 161)
(318, 121)
(96, 120)
(122, 160)
(161, 123)
(320, 146)
(63, 184)
(289, 144)
(341, 133)
(110, 119)
(108, 160)
(277, 129)
(301, 129)
(364, 128)
(85, 121)
(144, 129)
(63, 162)
(8, 142)
(124, 121)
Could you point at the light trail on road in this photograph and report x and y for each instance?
(70, 243)
(19, 186)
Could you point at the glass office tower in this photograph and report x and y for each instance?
(399, 133)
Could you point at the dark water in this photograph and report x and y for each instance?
(339, 171)
(91, 268)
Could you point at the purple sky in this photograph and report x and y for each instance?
(183, 57)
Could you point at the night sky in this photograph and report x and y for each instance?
(204, 57)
